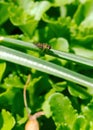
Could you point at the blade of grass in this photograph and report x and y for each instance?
(71, 57)
(52, 52)
(19, 43)
(44, 66)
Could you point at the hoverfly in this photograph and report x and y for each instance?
(43, 46)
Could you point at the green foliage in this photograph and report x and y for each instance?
(63, 127)
(3, 12)
(60, 44)
(12, 81)
(26, 17)
(80, 123)
(6, 120)
(2, 69)
(61, 109)
(87, 110)
(61, 72)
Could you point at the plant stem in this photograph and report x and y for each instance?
(51, 52)
(24, 94)
(44, 66)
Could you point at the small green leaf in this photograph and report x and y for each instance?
(88, 12)
(13, 81)
(91, 126)
(61, 2)
(12, 99)
(78, 91)
(26, 22)
(84, 14)
(2, 69)
(88, 111)
(57, 29)
(27, 17)
(63, 127)
(3, 12)
(46, 109)
(35, 9)
(60, 44)
(80, 123)
(60, 86)
(7, 121)
(61, 109)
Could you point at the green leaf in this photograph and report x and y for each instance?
(63, 127)
(61, 2)
(41, 84)
(79, 15)
(22, 120)
(80, 123)
(59, 44)
(91, 126)
(36, 9)
(78, 91)
(7, 97)
(3, 12)
(27, 18)
(87, 111)
(23, 20)
(61, 109)
(40, 8)
(56, 28)
(88, 12)
(46, 109)
(84, 13)
(7, 121)
(13, 81)
(60, 86)
(2, 69)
